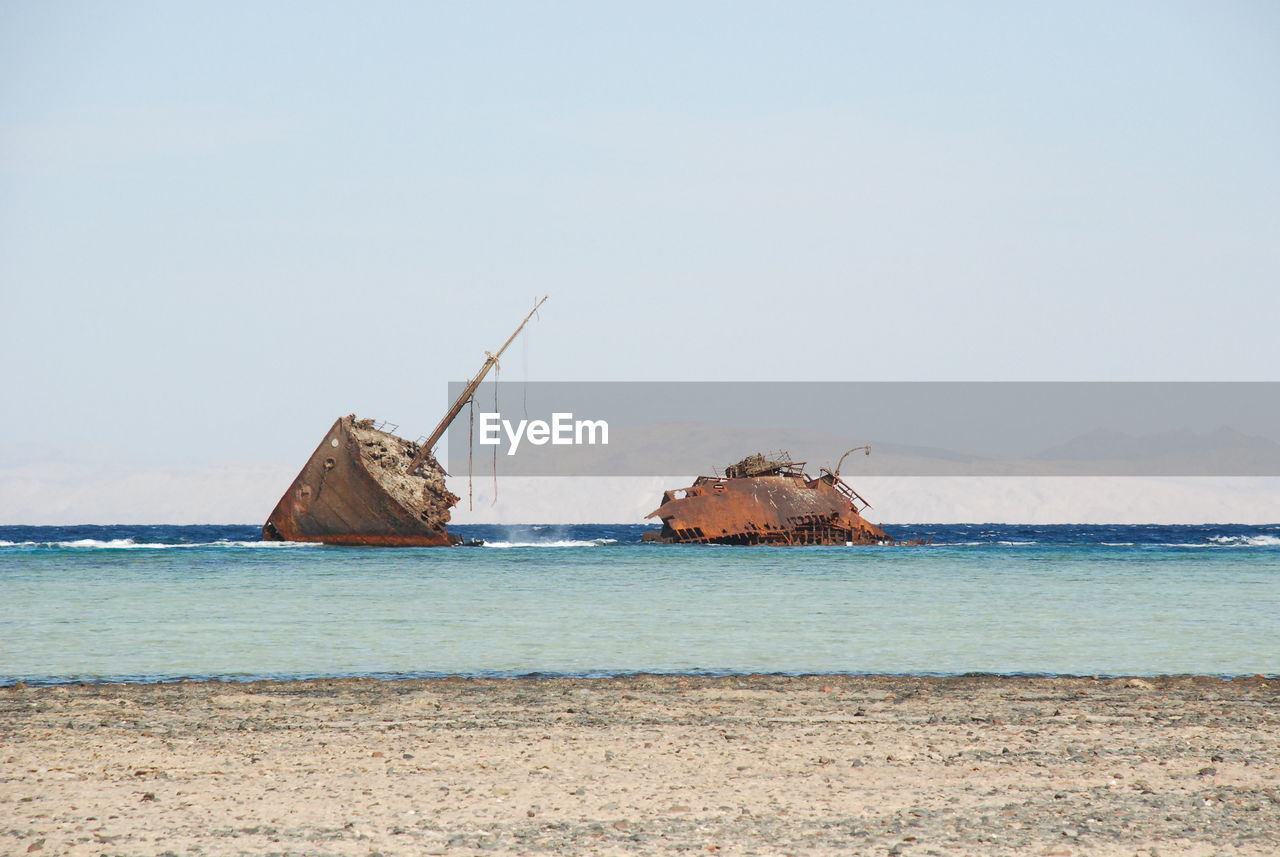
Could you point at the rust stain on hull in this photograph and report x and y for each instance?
(762, 501)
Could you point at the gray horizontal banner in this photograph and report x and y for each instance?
(913, 429)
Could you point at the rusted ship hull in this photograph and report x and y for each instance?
(781, 506)
(354, 490)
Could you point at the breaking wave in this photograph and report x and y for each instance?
(1246, 541)
(1229, 542)
(559, 543)
(130, 544)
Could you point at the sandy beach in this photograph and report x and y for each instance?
(645, 764)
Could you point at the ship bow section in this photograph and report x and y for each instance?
(354, 490)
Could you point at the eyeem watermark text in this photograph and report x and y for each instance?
(563, 430)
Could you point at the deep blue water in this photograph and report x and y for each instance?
(148, 603)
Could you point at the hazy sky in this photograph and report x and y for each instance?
(224, 224)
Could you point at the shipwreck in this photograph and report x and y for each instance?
(364, 485)
(767, 500)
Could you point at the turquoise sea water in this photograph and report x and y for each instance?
(161, 603)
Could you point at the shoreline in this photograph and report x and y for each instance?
(744, 764)
(12, 682)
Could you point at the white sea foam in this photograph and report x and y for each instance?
(258, 544)
(130, 544)
(1015, 544)
(1230, 542)
(1117, 544)
(560, 543)
(116, 544)
(1246, 541)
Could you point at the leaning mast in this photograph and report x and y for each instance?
(491, 360)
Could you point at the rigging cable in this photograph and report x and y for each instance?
(471, 449)
(497, 376)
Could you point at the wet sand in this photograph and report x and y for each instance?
(762, 765)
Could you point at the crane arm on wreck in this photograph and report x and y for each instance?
(844, 487)
(491, 360)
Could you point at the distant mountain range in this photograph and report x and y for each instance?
(667, 448)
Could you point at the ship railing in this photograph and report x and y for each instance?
(787, 466)
(388, 427)
(847, 491)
